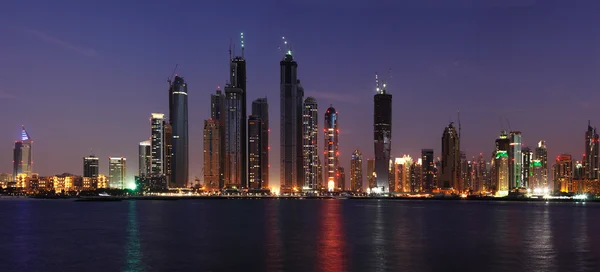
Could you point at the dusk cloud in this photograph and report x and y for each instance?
(58, 42)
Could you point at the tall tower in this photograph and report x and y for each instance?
(145, 158)
(217, 113)
(117, 168)
(371, 180)
(234, 152)
(356, 171)
(260, 109)
(292, 96)
(178, 118)
(157, 142)
(540, 165)
(237, 72)
(515, 161)
(501, 164)
(590, 161)
(22, 161)
(450, 174)
(310, 136)
(563, 173)
(90, 166)
(168, 163)
(382, 128)
(428, 170)
(527, 165)
(331, 147)
(254, 152)
(212, 154)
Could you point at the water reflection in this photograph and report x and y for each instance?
(331, 247)
(273, 236)
(133, 259)
(539, 250)
(23, 233)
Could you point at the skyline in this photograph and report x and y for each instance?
(453, 73)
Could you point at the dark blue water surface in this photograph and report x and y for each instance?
(298, 235)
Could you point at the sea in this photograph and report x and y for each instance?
(298, 235)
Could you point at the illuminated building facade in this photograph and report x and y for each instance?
(331, 149)
(416, 176)
(168, 164)
(540, 165)
(145, 158)
(320, 181)
(5, 178)
(292, 96)
(212, 154)
(62, 183)
(22, 160)
(515, 160)
(382, 126)
(341, 179)
(428, 170)
(102, 182)
(91, 166)
(217, 113)
(356, 171)
(22, 181)
(157, 143)
(260, 108)
(590, 160)
(450, 172)
(310, 137)
(178, 118)
(371, 180)
(563, 173)
(501, 164)
(254, 152)
(527, 167)
(402, 175)
(116, 172)
(234, 152)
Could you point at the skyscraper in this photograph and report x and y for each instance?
(371, 180)
(341, 179)
(260, 108)
(145, 158)
(515, 161)
(90, 166)
(356, 172)
(168, 163)
(22, 160)
(540, 165)
(310, 136)
(590, 160)
(450, 174)
(178, 118)
(331, 148)
(234, 152)
(416, 176)
(237, 72)
(563, 173)
(254, 152)
(428, 168)
(501, 164)
(212, 154)
(382, 125)
(402, 175)
(527, 167)
(157, 142)
(292, 96)
(217, 113)
(117, 168)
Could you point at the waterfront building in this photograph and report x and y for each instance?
(145, 158)
(310, 137)
(212, 154)
(590, 159)
(260, 109)
(450, 163)
(527, 167)
(382, 126)
(157, 144)
(91, 166)
(540, 166)
(563, 174)
(235, 154)
(356, 172)
(178, 120)
(428, 170)
(501, 164)
(22, 160)
(371, 179)
(515, 161)
(117, 167)
(331, 148)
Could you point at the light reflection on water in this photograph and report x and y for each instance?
(133, 251)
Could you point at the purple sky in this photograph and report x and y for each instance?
(85, 75)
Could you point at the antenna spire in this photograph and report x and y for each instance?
(377, 83)
(230, 44)
(242, 42)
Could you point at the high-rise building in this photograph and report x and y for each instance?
(590, 160)
(371, 180)
(292, 96)
(237, 79)
(563, 173)
(254, 152)
(178, 119)
(91, 166)
(22, 160)
(319, 180)
(428, 168)
(234, 152)
(331, 148)
(310, 136)
(402, 175)
(356, 172)
(416, 176)
(260, 108)
(212, 154)
(157, 143)
(540, 165)
(217, 113)
(145, 158)
(579, 185)
(515, 160)
(527, 167)
(117, 168)
(382, 125)
(341, 179)
(501, 164)
(450, 174)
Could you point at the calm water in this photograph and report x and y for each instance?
(298, 235)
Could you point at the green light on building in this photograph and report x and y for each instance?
(537, 163)
(501, 154)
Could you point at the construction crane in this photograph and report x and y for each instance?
(170, 79)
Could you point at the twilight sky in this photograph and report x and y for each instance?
(85, 75)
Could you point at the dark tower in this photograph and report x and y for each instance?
(178, 119)
(237, 73)
(382, 122)
(260, 108)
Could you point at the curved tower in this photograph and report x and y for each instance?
(331, 149)
(22, 162)
(178, 119)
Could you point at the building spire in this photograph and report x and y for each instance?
(242, 42)
(24, 134)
